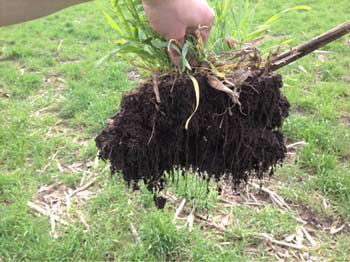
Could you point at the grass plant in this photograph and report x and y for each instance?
(137, 40)
(135, 37)
(53, 100)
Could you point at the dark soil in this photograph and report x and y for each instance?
(146, 140)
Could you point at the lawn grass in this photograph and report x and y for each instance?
(54, 101)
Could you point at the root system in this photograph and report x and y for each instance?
(148, 141)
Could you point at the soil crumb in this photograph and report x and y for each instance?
(148, 141)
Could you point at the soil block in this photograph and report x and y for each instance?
(147, 141)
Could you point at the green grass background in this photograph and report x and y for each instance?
(53, 100)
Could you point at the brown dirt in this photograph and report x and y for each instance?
(146, 140)
(345, 119)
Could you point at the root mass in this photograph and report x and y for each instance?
(146, 140)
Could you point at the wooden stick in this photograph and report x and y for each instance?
(301, 143)
(179, 209)
(86, 186)
(83, 221)
(53, 226)
(302, 50)
(280, 243)
(134, 234)
(309, 237)
(210, 223)
(275, 198)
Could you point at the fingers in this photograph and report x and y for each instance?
(175, 57)
(173, 19)
(19, 11)
(164, 20)
(204, 32)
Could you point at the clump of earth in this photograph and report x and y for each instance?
(147, 140)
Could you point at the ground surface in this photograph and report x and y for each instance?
(53, 102)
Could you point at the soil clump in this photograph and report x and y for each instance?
(147, 141)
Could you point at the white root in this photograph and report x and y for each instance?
(215, 83)
(156, 88)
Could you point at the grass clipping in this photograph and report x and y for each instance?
(234, 133)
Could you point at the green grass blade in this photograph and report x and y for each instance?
(112, 53)
(278, 16)
(113, 23)
(297, 7)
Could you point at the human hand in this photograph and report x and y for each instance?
(173, 19)
(19, 11)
